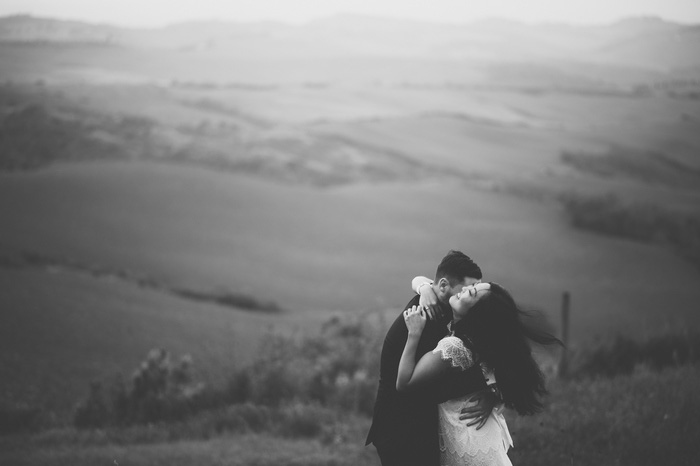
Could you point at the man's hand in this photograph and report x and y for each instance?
(429, 301)
(485, 400)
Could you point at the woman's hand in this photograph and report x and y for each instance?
(415, 319)
(415, 322)
(429, 301)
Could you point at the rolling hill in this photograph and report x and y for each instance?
(320, 167)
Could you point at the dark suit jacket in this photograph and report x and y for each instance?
(410, 419)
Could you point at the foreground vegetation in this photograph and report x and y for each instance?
(643, 418)
(308, 401)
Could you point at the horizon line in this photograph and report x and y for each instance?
(305, 22)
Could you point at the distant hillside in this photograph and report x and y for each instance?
(25, 28)
(647, 42)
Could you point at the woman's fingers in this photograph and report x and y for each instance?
(414, 311)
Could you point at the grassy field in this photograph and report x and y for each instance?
(647, 418)
(239, 450)
(227, 231)
(60, 331)
(323, 185)
(347, 249)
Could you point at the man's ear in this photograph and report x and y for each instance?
(443, 285)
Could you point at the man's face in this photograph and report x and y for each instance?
(453, 290)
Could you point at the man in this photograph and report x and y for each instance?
(405, 425)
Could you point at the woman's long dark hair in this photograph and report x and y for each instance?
(500, 334)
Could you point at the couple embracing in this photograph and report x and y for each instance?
(450, 363)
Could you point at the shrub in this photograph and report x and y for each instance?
(240, 387)
(160, 391)
(623, 355)
(242, 418)
(94, 411)
(301, 380)
(337, 368)
(620, 358)
(302, 420)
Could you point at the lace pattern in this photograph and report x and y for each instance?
(461, 445)
(452, 349)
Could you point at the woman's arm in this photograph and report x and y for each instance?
(412, 374)
(423, 286)
(419, 281)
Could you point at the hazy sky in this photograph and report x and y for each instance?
(161, 12)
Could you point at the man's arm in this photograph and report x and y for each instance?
(486, 400)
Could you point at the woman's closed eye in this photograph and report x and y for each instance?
(471, 290)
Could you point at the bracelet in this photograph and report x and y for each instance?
(421, 286)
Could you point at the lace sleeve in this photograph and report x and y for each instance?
(452, 349)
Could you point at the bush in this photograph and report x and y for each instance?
(330, 370)
(243, 418)
(623, 355)
(160, 391)
(300, 380)
(337, 368)
(296, 420)
(93, 412)
(645, 418)
(240, 387)
(300, 420)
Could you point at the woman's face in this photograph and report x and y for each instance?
(467, 298)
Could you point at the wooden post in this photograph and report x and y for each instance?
(564, 361)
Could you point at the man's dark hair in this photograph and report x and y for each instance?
(455, 266)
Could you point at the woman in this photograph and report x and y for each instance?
(487, 332)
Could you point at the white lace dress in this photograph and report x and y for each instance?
(461, 445)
